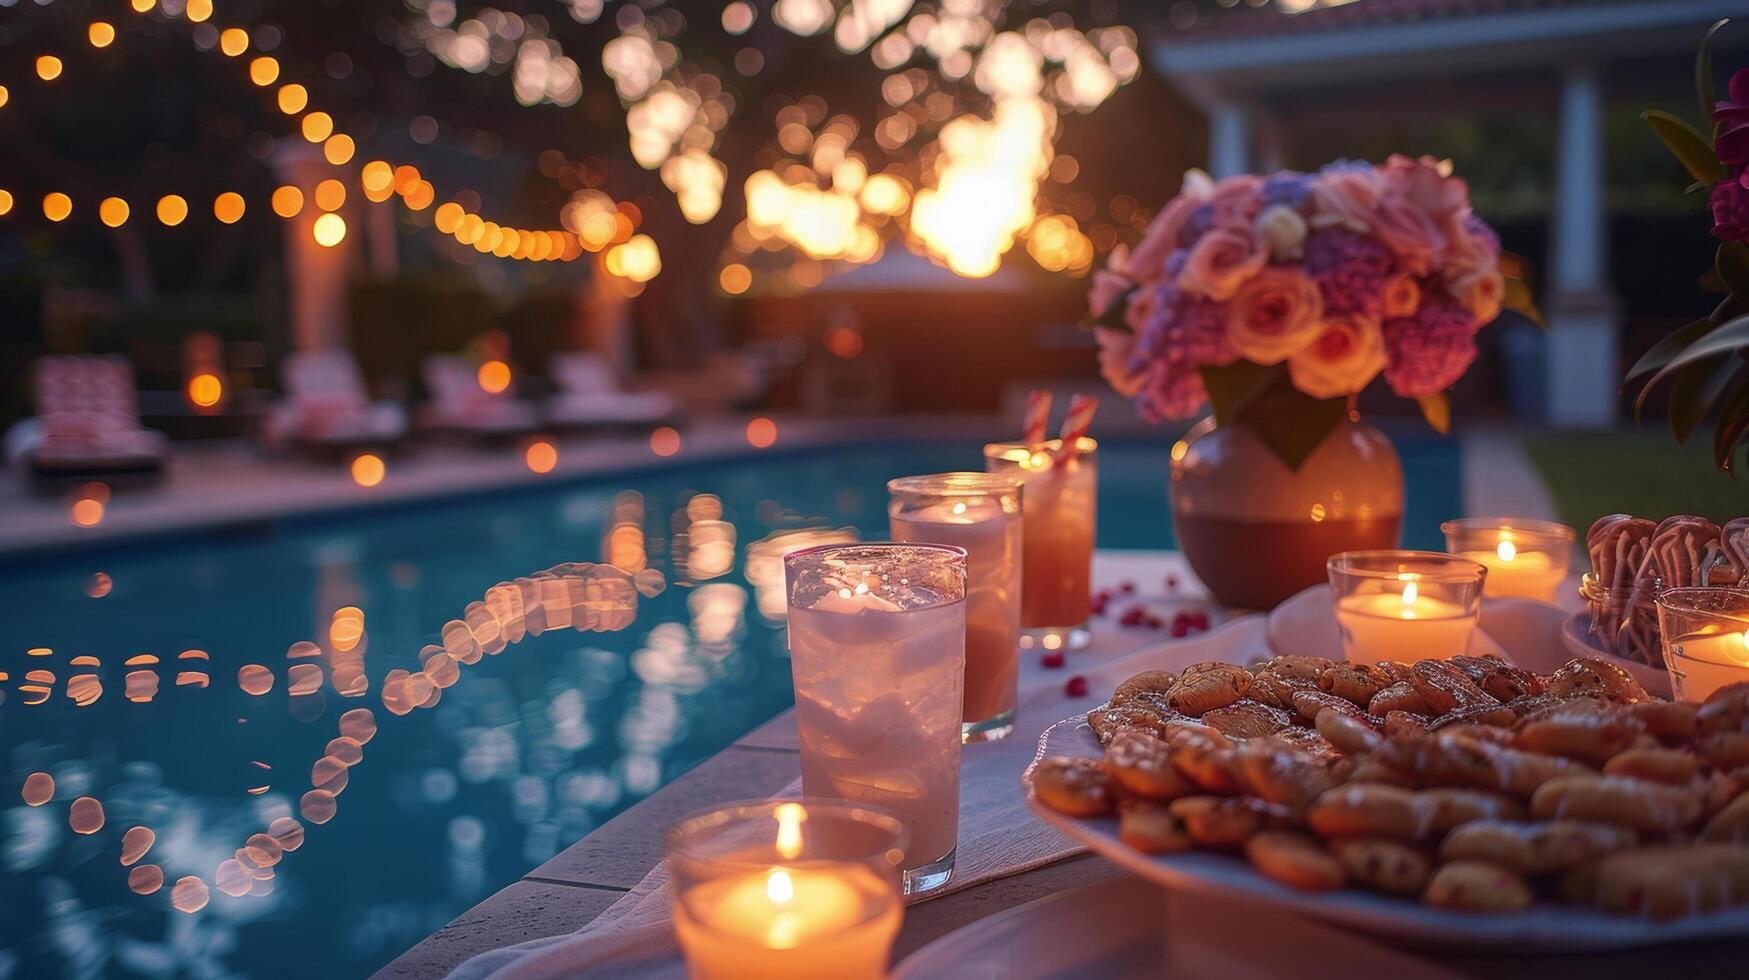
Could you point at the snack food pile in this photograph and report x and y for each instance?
(1468, 783)
(1632, 558)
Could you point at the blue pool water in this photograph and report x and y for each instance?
(524, 755)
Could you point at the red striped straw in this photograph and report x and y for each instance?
(1075, 426)
(1038, 418)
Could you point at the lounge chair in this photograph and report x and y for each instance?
(326, 407)
(458, 404)
(87, 426)
(589, 394)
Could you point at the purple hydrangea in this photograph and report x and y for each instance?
(1175, 263)
(1182, 330)
(1287, 187)
(1198, 224)
(1477, 228)
(1173, 390)
(1730, 204)
(1349, 268)
(1429, 351)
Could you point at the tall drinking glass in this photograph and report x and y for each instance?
(1057, 545)
(877, 638)
(980, 512)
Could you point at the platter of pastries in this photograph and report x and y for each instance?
(1460, 801)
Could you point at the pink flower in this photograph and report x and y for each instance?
(1174, 390)
(1110, 282)
(1274, 315)
(1114, 361)
(1427, 184)
(1480, 291)
(1161, 239)
(1220, 262)
(1411, 234)
(1731, 121)
(1730, 205)
(1345, 196)
(1421, 207)
(1342, 360)
(1401, 297)
(1428, 352)
(1237, 201)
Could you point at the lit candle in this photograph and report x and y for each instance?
(795, 918)
(1402, 625)
(1707, 661)
(1527, 559)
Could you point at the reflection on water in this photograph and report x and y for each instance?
(193, 731)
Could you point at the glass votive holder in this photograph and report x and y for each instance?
(1706, 639)
(1405, 605)
(1062, 520)
(1524, 558)
(980, 512)
(782, 889)
(877, 641)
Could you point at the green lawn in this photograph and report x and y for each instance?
(1640, 473)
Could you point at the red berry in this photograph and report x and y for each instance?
(1172, 581)
(1180, 629)
(1132, 616)
(1077, 687)
(1052, 660)
(1126, 587)
(1199, 620)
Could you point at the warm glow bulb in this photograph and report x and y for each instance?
(330, 194)
(233, 41)
(229, 207)
(87, 512)
(1507, 551)
(293, 98)
(5, 202)
(377, 175)
(761, 433)
(330, 230)
(448, 217)
(57, 206)
(541, 457)
(205, 390)
(198, 11)
(665, 441)
(102, 34)
(779, 888)
(338, 149)
(264, 71)
(113, 211)
(143, 6)
(317, 126)
(48, 67)
(494, 377)
(367, 468)
(288, 201)
(1410, 593)
(5, 96)
(172, 210)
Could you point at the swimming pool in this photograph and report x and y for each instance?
(521, 757)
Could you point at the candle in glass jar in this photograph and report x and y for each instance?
(1705, 662)
(1511, 572)
(789, 922)
(1402, 625)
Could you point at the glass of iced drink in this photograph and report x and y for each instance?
(1057, 544)
(980, 512)
(877, 639)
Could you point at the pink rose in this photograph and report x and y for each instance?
(1480, 291)
(1412, 235)
(1110, 282)
(1428, 185)
(1220, 262)
(1115, 347)
(1469, 247)
(1274, 315)
(1173, 390)
(1342, 360)
(1237, 201)
(1402, 297)
(1148, 262)
(1345, 196)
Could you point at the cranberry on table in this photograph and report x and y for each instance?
(1052, 660)
(1077, 687)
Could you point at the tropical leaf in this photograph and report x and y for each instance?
(1234, 387)
(1436, 409)
(1703, 72)
(1518, 299)
(1697, 389)
(1665, 350)
(1687, 144)
(1732, 265)
(1732, 429)
(1730, 337)
(1290, 422)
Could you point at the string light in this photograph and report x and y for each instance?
(317, 126)
(293, 98)
(330, 195)
(288, 201)
(5, 96)
(338, 149)
(48, 67)
(329, 230)
(264, 71)
(113, 211)
(198, 10)
(57, 206)
(172, 210)
(233, 41)
(229, 207)
(143, 6)
(101, 33)
(5, 202)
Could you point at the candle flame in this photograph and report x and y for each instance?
(779, 888)
(789, 829)
(1410, 593)
(959, 508)
(861, 588)
(1507, 551)
(1743, 659)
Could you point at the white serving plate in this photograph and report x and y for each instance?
(1543, 928)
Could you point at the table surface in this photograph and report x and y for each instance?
(571, 889)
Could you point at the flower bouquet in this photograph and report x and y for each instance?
(1277, 299)
(1708, 360)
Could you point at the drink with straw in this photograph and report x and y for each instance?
(981, 513)
(877, 638)
(1060, 477)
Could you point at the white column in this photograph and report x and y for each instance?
(1583, 370)
(1229, 139)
